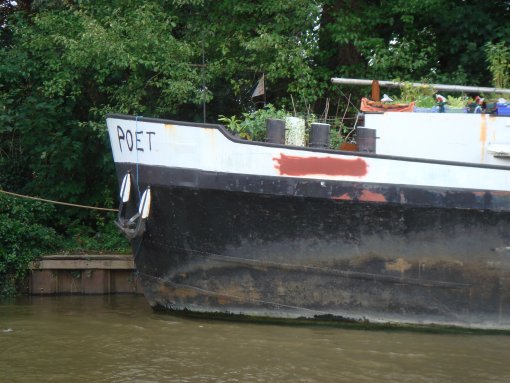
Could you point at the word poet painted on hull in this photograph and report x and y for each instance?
(139, 140)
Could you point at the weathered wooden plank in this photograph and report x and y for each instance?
(83, 262)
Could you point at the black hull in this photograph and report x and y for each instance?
(280, 249)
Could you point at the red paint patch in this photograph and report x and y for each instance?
(329, 166)
(367, 195)
(343, 197)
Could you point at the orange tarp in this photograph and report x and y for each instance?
(377, 106)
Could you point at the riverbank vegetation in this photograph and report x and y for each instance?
(65, 64)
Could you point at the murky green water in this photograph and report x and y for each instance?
(119, 339)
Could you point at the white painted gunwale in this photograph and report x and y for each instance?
(209, 148)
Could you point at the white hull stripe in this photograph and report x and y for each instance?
(208, 149)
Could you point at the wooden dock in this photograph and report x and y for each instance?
(84, 274)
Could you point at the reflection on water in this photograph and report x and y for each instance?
(119, 339)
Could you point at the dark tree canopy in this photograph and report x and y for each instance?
(439, 40)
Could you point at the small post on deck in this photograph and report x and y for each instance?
(320, 135)
(376, 91)
(275, 131)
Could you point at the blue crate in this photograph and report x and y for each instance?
(435, 109)
(503, 110)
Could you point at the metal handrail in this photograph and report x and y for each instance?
(442, 87)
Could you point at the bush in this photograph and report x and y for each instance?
(423, 95)
(27, 231)
(24, 235)
(498, 57)
(104, 237)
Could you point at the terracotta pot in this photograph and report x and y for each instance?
(348, 146)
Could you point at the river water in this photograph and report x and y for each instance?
(119, 339)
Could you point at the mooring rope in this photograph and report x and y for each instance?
(57, 202)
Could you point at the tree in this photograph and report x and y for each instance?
(441, 41)
(242, 40)
(70, 65)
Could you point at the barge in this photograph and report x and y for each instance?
(412, 228)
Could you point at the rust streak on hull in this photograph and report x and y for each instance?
(369, 196)
(365, 195)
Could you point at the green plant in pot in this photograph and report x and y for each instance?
(252, 126)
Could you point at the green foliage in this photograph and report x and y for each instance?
(425, 102)
(13, 172)
(423, 96)
(456, 102)
(252, 126)
(234, 125)
(498, 57)
(411, 39)
(243, 39)
(66, 67)
(104, 237)
(335, 138)
(403, 56)
(25, 234)
(112, 56)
